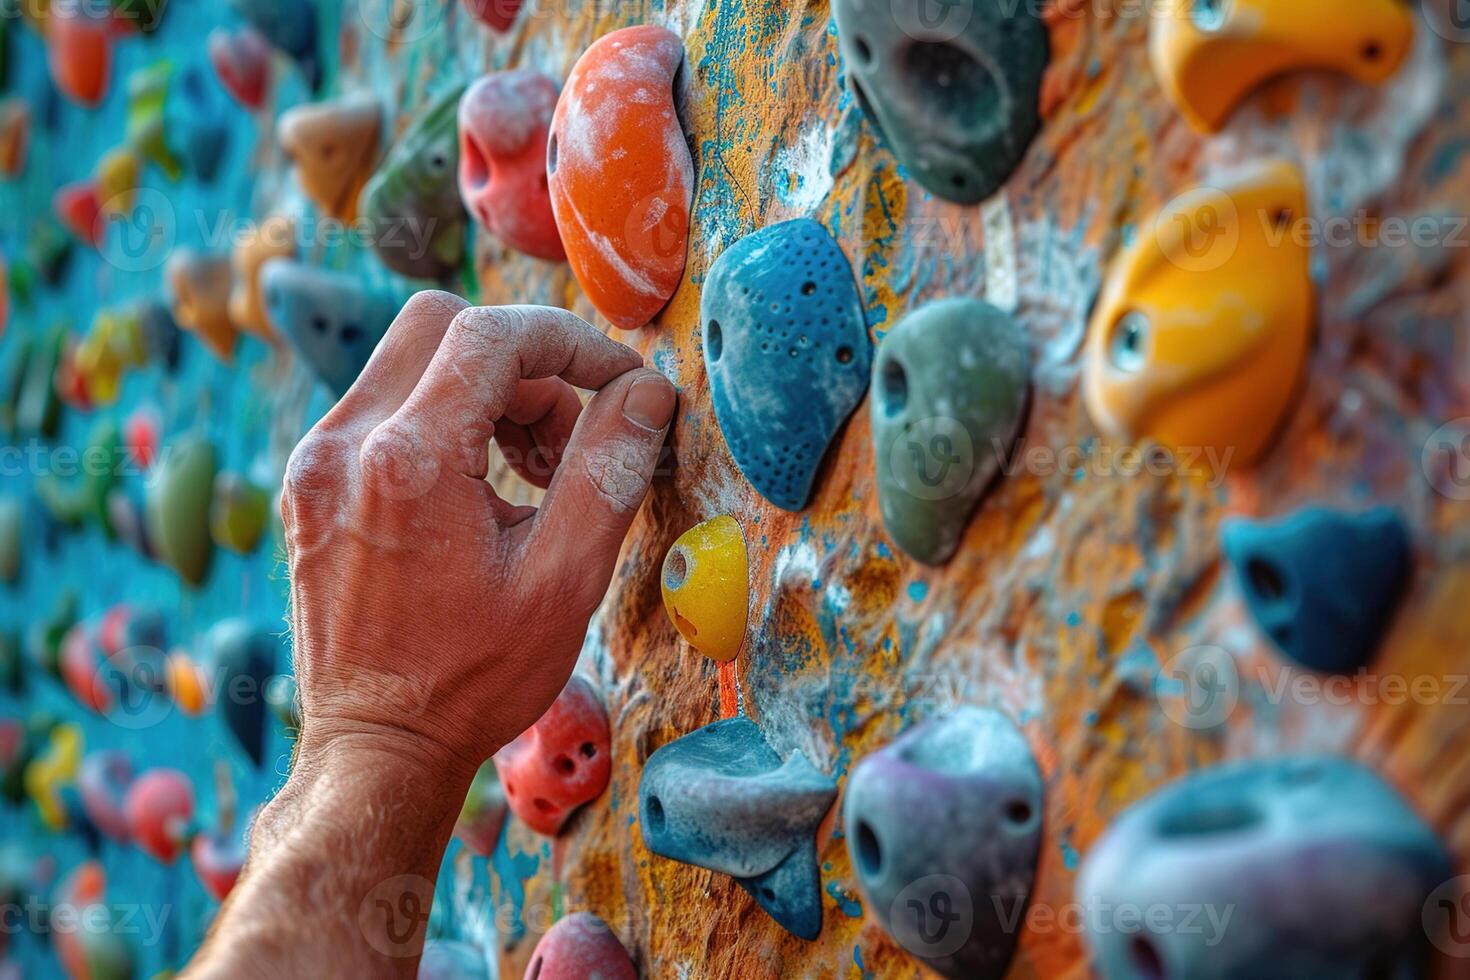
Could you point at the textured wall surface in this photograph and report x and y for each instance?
(1081, 576)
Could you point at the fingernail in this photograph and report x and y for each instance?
(650, 402)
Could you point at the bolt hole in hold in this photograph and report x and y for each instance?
(954, 86)
(544, 805)
(895, 384)
(1146, 958)
(1129, 342)
(655, 815)
(588, 750)
(1209, 15)
(1372, 51)
(1265, 579)
(844, 355)
(1281, 218)
(870, 852)
(551, 154)
(714, 341)
(351, 334)
(564, 765)
(676, 568)
(1018, 813)
(808, 288)
(319, 324)
(1203, 820)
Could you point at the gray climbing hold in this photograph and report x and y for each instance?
(1321, 867)
(950, 384)
(787, 352)
(944, 827)
(953, 88)
(720, 798)
(331, 318)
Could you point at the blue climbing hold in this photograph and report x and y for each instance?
(199, 118)
(1321, 867)
(720, 798)
(291, 27)
(331, 318)
(241, 656)
(787, 352)
(944, 825)
(1322, 584)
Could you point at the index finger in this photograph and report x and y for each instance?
(484, 356)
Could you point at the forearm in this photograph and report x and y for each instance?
(342, 863)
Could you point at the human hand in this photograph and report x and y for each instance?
(432, 618)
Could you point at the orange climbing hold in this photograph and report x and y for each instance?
(185, 683)
(706, 587)
(200, 285)
(334, 146)
(273, 238)
(1209, 54)
(79, 51)
(1202, 327)
(620, 173)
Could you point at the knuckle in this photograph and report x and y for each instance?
(487, 326)
(315, 469)
(433, 303)
(397, 462)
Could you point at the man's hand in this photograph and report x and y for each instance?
(426, 610)
(433, 622)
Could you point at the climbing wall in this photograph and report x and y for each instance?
(1078, 597)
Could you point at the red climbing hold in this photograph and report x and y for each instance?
(497, 14)
(79, 209)
(581, 945)
(621, 177)
(160, 806)
(218, 857)
(242, 60)
(504, 119)
(559, 763)
(140, 436)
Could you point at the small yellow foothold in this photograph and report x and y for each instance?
(1202, 327)
(1209, 54)
(706, 586)
(54, 769)
(117, 181)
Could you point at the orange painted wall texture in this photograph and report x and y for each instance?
(1085, 572)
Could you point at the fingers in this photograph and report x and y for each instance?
(596, 492)
(537, 427)
(476, 373)
(402, 355)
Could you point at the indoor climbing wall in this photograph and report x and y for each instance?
(1064, 515)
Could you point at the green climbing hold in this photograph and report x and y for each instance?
(417, 217)
(74, 502)
(43, 639)
(147, 98)
(949, 392)
(180, 495)
(12, 537)
(38, 407)
(238, 516)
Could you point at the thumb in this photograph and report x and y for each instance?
(601, 482)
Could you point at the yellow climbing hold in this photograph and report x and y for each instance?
(706, 586)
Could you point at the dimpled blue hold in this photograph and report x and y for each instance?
(202, 120)
(720, 798)
(787, 352)
(1298, 868)
(330, 318)
(1322, 584)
